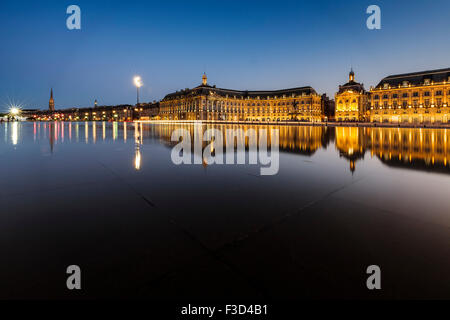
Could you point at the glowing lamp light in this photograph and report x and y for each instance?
(14, 111)
(138, 81)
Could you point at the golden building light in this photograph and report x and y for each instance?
(207, 102)
(418, 97)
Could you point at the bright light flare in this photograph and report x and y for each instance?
(138, 81)
(14, 111)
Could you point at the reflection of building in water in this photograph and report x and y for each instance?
(351, 100)
(299, 139)
(304, 140)
(412, 148)
(351, 144)
(206, 102)
(420, 97)
(421, 149)
(51, 135)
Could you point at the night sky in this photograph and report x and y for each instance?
(239, 44)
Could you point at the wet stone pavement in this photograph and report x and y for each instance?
(148, 228)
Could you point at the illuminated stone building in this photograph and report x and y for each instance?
(414, 98)
(351, 101)
(51, 102)
(206, 102)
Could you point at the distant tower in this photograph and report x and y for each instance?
(95, 103)
(351, 76)
(51, 103)
(204, 79)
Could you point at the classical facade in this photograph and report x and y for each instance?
(351, 101)
(418, 98)
(206, 102)
(414, 98)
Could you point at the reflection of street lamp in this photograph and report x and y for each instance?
(137, 143)
(138, 83)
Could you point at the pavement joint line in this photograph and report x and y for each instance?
(37, 191)
(148, 201)
(191, 236)
(215, 253)
(288, 214)
(386, 211)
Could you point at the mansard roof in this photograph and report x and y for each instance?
(416, 78)
(207, 90)
(352, 85)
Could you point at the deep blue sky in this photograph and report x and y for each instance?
(240, 44)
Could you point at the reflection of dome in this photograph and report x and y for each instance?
(353, 156)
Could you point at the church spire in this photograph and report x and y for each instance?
(51, 102)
